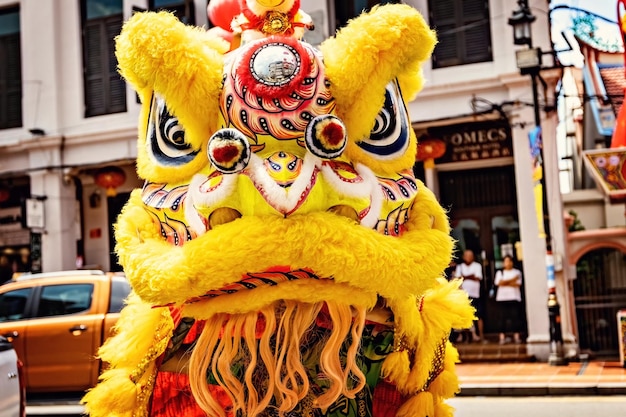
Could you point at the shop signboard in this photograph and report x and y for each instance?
(470, 141)
(608, 169)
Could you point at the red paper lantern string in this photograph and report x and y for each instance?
(430, 149)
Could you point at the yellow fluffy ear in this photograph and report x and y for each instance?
(373, 49)
(411, 82)
(181, 64)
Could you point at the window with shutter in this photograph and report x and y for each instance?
(463, 30)
(105, 91)
(348, 9)
(182, 9)
(10, 69)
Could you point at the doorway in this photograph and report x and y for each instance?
(115, 205)
(599, 293)
(483, 218)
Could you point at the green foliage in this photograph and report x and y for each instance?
(576, 224)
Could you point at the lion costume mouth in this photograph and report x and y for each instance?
(353, 261)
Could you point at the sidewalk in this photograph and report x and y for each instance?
(480, 379)
(540, 378)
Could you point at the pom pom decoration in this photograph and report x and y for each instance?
(325, 136)
(229, 151)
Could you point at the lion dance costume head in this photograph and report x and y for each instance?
(284, 260)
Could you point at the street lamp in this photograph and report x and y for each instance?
(529, 63)
(521, 21)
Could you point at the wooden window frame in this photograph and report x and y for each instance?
(344, 10)
(457, 30)
(184, 10)
(112, 86)
(11, 77)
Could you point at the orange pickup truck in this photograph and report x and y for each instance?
(57, 321)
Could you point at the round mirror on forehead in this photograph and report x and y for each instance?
(275, 64)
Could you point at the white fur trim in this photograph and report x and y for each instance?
(197, 198)
(285, 200)
(376, 199)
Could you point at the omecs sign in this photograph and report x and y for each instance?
(469, 141)
(478, 136)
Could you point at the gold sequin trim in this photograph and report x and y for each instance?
(144, 384)
(437, 364)
(399, 342)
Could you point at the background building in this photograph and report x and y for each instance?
(479, 105)
(594, 198)
(68, 133)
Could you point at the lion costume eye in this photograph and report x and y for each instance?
(389, 139)
(166, 137)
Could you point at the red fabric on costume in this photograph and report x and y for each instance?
(386, 400)
(172, 397)
(194, 332)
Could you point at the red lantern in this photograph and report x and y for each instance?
(222, 12)
(110, 178)
(5, 194)
(430, 148)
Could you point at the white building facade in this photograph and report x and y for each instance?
(77, 120)
(486, 178)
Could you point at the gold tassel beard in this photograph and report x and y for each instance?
(286, 325)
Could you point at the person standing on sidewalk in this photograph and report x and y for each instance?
(472, 274)
(509, 299)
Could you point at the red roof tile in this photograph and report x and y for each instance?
(614, 83)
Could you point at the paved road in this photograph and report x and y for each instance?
(584, 406)
(55, 410)
(54, 405)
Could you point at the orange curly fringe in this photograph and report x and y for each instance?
(285, 324)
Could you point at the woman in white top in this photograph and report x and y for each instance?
(509, 298)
